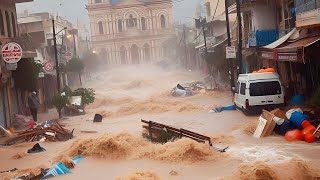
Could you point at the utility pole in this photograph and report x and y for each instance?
(56, 55)
(230, 61)
(185, 46)
(206, 51)
(239, 37)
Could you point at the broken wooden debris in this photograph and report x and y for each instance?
(52, 132)
(154, 127)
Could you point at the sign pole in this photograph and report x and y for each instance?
(56, 55)
(238, 3)
(230, 62)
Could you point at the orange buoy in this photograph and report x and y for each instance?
(305, 123)
(309, 138)
(294, 135)
(309, 129)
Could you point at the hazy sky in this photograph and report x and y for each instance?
(75, 9)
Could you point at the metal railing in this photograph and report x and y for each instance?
(307, 5)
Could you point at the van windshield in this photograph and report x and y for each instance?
(265, 88)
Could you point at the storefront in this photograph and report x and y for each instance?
(296, 62)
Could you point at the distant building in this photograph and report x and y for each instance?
(131, 31)
(38, 28)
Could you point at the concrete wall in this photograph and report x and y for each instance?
(213, 4)
(9, 7)
(264, 15)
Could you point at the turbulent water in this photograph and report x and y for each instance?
(124, 96)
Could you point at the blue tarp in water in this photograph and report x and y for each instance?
(57, 170)
(225, 108)
(60, 169)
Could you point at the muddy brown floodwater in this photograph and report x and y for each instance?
(125, 95)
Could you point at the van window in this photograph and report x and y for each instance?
(243, 89)
(265, 88)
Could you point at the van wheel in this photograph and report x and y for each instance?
(245, 111)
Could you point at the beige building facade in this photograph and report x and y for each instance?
(130, 31)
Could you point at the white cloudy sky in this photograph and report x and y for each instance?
(75, 9)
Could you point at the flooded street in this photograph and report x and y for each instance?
(125, 95)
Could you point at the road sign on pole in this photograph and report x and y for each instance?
(11, 53)
(231, 52)
(12, 66)
(48, 67)
(68, 55)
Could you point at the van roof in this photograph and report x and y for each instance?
(258, 76)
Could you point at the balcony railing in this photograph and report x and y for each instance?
(307, 5)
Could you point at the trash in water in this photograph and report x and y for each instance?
(61, 169)
(225, 108)
(97, 118)
(180, 91)
(57, 170)
(36, 149)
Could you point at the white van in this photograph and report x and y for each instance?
(256, 91)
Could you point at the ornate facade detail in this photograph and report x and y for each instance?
(130, 32)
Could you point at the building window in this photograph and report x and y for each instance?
(131, 22)
(135, 54)
(147, 53)
(243, 89)
(97, 1)
(8, 24)
(100, 25)
(1, 24)
(143, 23)
(13, 25)
(289, 15)
(123, 55)
(120, 25)
(163, 21)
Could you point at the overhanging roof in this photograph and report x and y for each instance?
(302, 43)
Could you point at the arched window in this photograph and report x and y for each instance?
(13, 25)
(100, 26)
(97, 1)
(1, 24)
(143, 23)
(135, 54)
(123, 55)
(163, 21)
(8, 24)
(147, 53)
(120, 25)
(131, 22)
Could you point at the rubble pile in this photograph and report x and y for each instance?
(49, 130)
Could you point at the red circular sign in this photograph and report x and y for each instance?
(48, 67)
(68, 55)
(11, 53)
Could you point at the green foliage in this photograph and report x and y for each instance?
(75, 65)
(68, 91)
(60, 102)
(87, 95)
